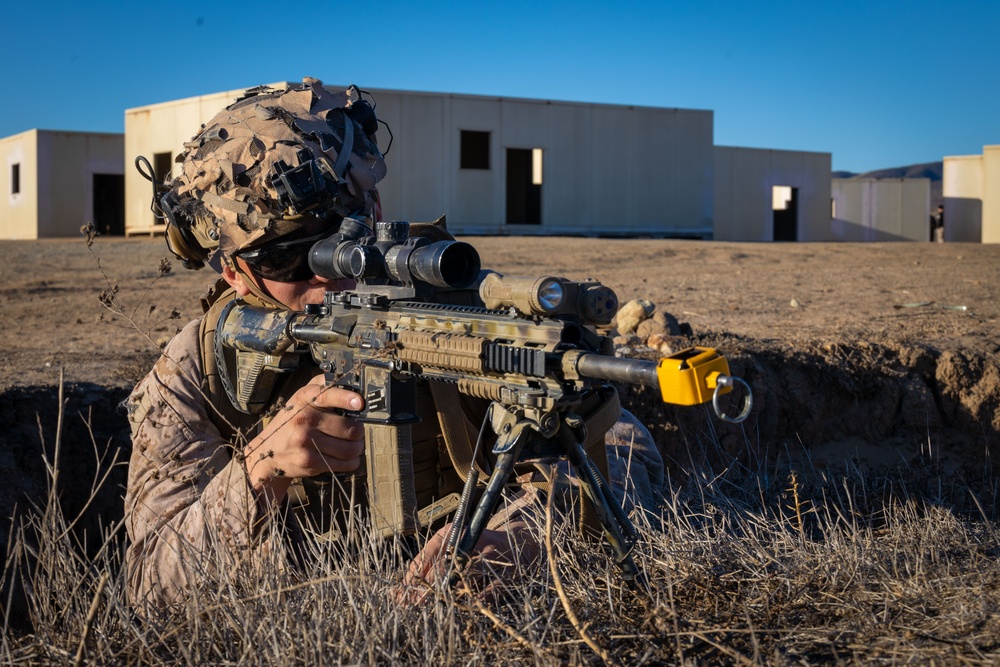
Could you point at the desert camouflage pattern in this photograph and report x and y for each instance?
(224, 185)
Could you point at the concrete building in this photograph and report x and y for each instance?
(499, 165)
(55, 182)
(771, 195)
(881, 209)
(493, 165)
(515, 166)
(972, 197)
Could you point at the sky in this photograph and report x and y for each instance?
(877, 84)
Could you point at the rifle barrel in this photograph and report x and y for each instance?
(632, 371)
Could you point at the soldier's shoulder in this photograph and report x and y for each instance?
(180, 356)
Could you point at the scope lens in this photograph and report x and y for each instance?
(550, 294)
(445, 264)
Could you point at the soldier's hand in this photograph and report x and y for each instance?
(498, 557)
(309, 436)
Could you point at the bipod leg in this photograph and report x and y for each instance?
(491, 496)
(618, 528)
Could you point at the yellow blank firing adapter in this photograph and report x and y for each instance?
(698, 375)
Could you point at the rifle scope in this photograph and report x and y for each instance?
(390, 255)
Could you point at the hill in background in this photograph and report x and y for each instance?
(931, 170)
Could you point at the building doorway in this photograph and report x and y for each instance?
(785, 208)
(109, 204)
(524, 186)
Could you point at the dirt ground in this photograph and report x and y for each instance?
(794, 296)
(845, 345)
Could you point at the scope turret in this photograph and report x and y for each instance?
(390, 256)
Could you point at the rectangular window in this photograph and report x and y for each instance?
(15, 179)
(475, 150)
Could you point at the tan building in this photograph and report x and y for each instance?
(771, 195)
(55, 182)
(514, 166)
(881, 209)
(971, 191)
(499, 165)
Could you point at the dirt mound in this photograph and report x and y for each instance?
(93, 439)
(877, 404)
(819, 404)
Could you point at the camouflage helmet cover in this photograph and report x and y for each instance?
(226, 189)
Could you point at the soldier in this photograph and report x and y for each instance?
(211, 488)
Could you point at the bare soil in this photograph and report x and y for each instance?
(805, 322)
(785, 296)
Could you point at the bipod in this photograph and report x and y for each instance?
(514, 429)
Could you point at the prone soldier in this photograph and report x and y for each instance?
(228, 462)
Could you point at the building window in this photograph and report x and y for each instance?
(475, 150)
(15, 179)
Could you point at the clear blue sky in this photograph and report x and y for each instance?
(877, 84)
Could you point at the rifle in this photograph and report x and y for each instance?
(528, 345)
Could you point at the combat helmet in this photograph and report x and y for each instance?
(267, 164)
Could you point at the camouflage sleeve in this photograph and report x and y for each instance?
(635, 465)
(191, 513)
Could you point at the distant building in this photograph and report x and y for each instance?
(771, 195)
(972, 197)
(881, 209)
(55, 182)
(515, 166)
(500, 165)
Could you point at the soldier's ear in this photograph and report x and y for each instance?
(236, 280)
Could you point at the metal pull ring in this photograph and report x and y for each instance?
(730, 381)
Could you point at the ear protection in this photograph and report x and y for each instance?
(187, 238)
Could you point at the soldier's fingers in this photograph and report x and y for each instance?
(321, 453)
(329, 397)
(337, 425)
(348, 445)
(430, 561)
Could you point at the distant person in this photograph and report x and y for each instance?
(937, 225)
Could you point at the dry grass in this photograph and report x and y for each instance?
(745, 566)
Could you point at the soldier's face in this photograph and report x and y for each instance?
(294, 295)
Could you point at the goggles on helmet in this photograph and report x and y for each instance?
(284, 261)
